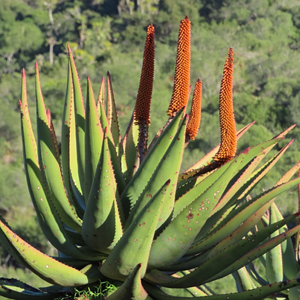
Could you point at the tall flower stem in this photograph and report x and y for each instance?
(143, 101)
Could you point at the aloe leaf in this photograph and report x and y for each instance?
(255, 294)
(225, 261)
(259, 281)
(48, 217)
(44, 266)
(255, 253)
(15, 289)
(130, 142)
(102, 226)
(134, 246)
(25, 106)
(239, 182)
(245, 244)
(195, 208)
(219, 218)
(168, 168)
(261, 172)
(249, 153)
(138, 182)
(290, 265)
(50, 166)
(183, 292)
(180, 233)
(79, 119)
(93, 138)
(243, 280)
(114, 155)
(294, 292)
(132, 287)
(112, 115)
(240, 215)
(69, 158)
(274, 265)
(101, 96)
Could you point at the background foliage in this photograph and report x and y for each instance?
(109, 35)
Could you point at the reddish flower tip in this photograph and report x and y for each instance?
(143, 100)
(36, 65)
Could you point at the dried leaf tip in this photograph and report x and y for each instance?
(181, 85)
(143, 100)
(195, 115)
(227, 122)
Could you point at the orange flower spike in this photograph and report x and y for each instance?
(227, 122)
(195, 115)
(143, 100)
(182, 70)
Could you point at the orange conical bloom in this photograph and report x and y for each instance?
(227, 123)
(143, 100)
(182, 70)
(195, 116)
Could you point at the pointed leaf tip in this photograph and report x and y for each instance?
(168, 182)
(36, 65)
(23, 73)
(20, 103)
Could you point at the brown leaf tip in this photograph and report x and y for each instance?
(195, 115)
(143, 100)
(181, 85)
(227, 122)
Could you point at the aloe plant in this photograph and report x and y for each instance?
(119, 211)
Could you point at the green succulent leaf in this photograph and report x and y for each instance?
(132, 288)
(14, 289)
(290, 265)
(255, 294)
(102, 226)
(274, 264)
(196, 211)
(112, 115)
(48, 217)
(255, 253)
(168, 168)
(69, 158)
(129, 146)
(243, 280)
(50, 165)
(113, 153)
(240, 215)
(44, 266)
(79, 121)
(93, 138)
(143, 175)
(134, 246)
